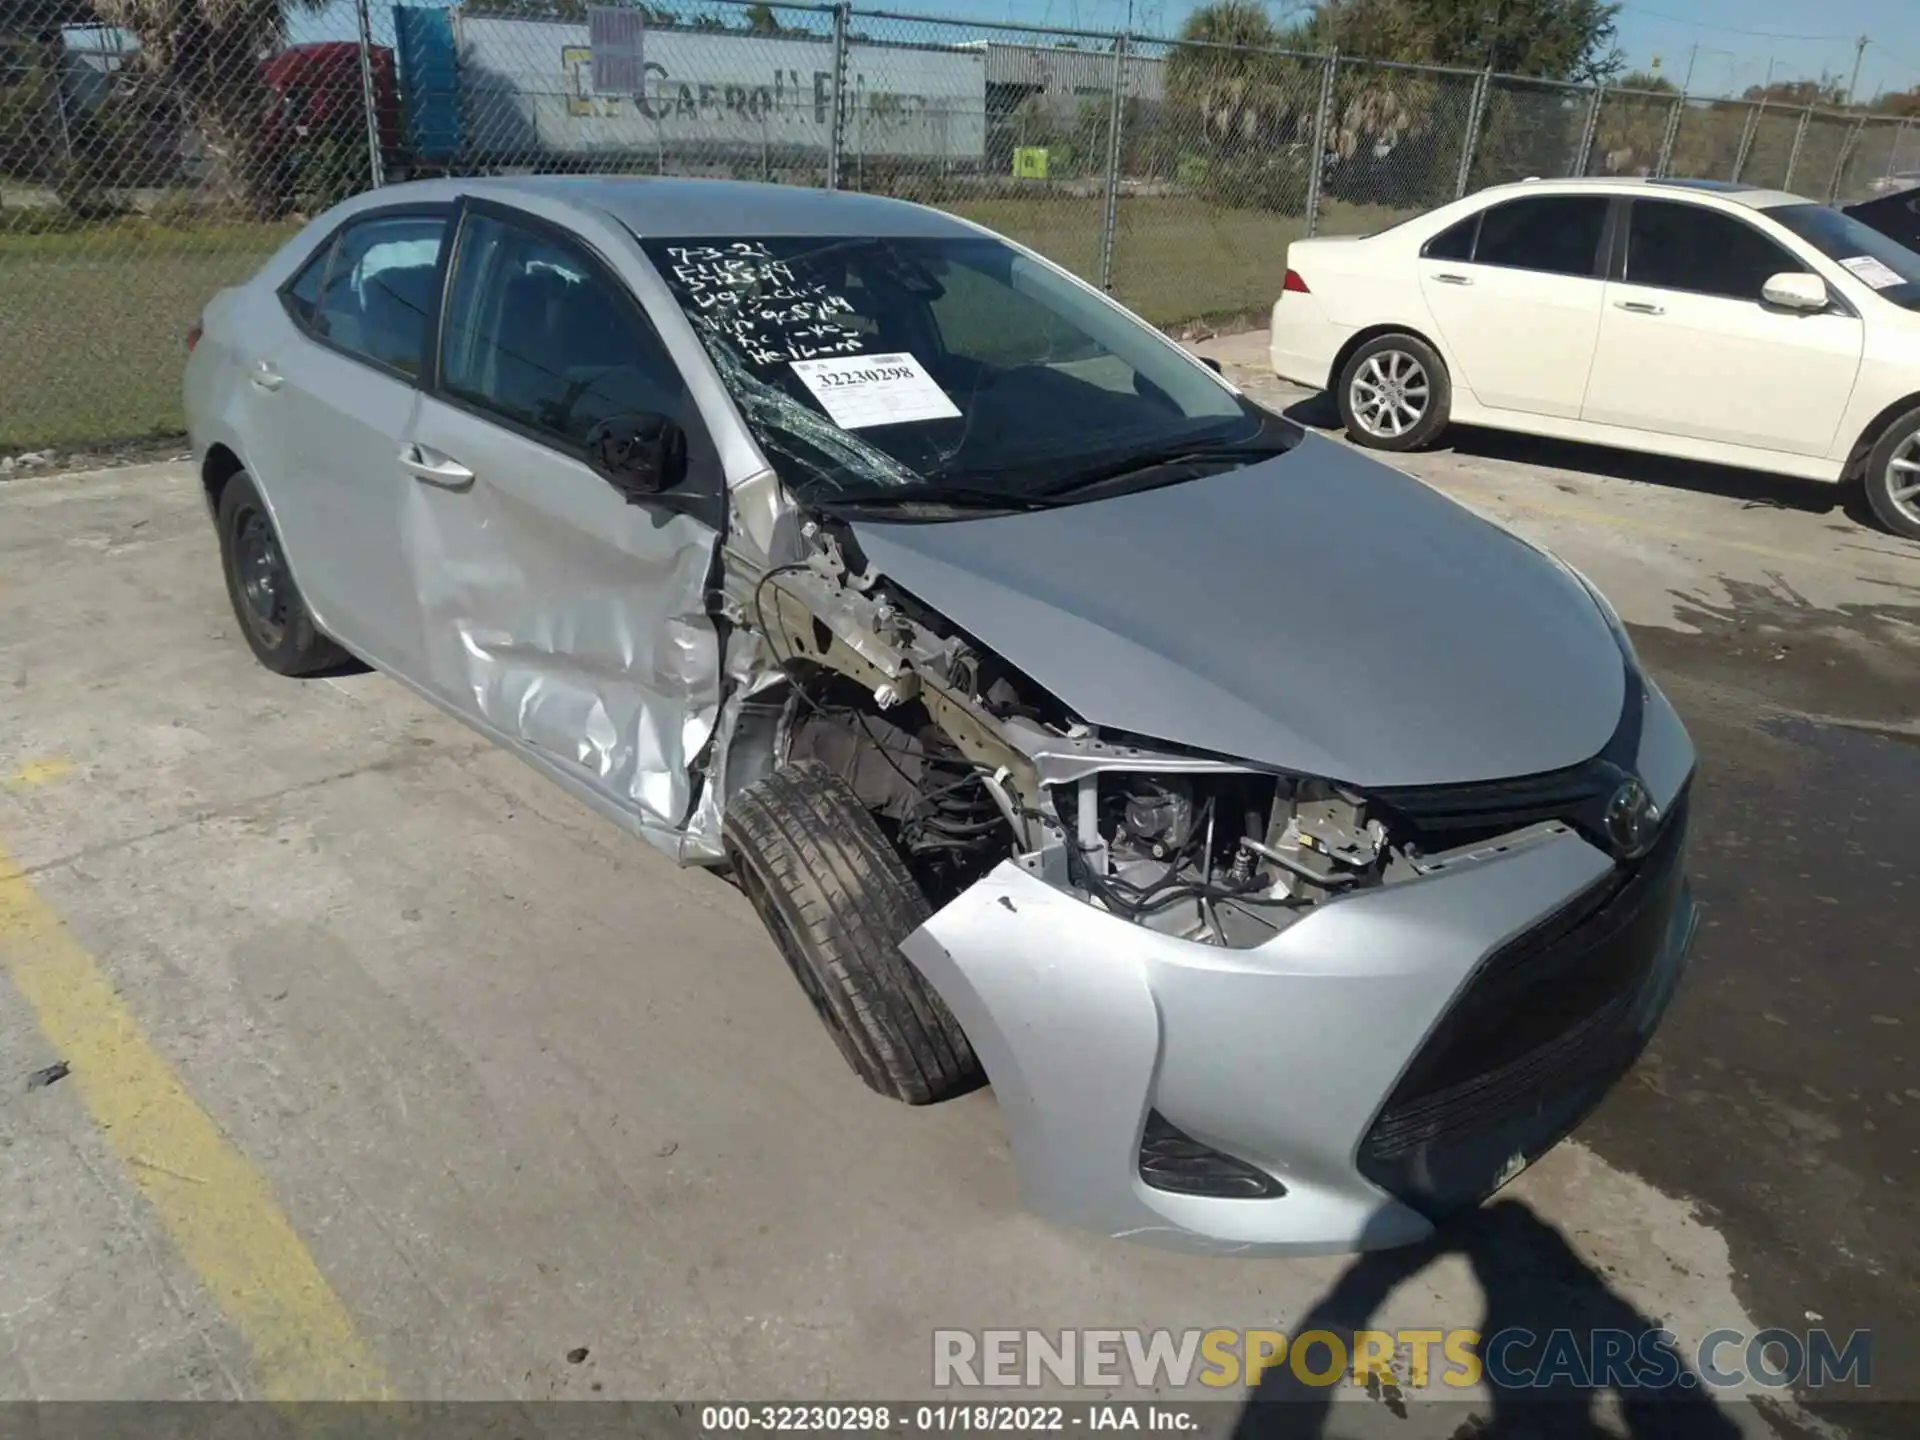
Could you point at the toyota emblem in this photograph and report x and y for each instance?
(1633, 820)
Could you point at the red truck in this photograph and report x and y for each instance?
(320, 94)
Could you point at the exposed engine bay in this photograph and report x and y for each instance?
(967, 763)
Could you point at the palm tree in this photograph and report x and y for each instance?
(1223, 72)
(209, 53)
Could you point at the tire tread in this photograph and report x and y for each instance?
(847, 901)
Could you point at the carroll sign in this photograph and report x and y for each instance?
(715, 90)
(664, 96)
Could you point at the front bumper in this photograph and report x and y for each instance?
(1392, 1056)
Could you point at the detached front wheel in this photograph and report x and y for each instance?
(838, 901)
(1395, 394)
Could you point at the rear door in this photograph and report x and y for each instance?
(558, 614)
(331, 396)
(1688, 347)
(1516, 293)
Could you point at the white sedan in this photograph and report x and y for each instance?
(1687, 318)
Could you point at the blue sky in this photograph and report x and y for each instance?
(1737, 39)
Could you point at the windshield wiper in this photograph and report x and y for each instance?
(1246, 452)
(953, 497)
(1070, 490)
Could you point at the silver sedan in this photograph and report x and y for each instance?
(1296, 854)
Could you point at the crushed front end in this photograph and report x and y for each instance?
(1224, 1007)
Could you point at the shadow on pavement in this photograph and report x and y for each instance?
(1753, 487)
(1532, 1281)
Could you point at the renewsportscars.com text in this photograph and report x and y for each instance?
(1513, 1358)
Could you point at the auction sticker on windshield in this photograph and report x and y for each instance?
(859, 391)
(1876, 273)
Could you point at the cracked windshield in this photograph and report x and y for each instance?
(949, 370)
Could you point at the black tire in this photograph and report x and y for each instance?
(838, 901)
(278, 627)
(1370, 364)
(1898, 444)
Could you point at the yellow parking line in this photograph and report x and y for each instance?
(41, 772)
(217, 1208)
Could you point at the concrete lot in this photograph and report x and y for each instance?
(395, 1071)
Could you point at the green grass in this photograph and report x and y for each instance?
(93, 321)
(1174, 260)
(93, 326)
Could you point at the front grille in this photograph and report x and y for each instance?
(1444, 817)
(1546, 1023)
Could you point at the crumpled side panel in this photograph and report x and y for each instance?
(576, 625)
(751, 673)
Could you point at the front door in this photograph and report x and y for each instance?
(557, 613)
(1688, 347)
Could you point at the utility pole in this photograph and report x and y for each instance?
(1859, 54)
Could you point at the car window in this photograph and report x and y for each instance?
(978, 317)
(540, 335)
(1455, 242)
(303, 294)
(1876, 259)
(379, 291)
(1675, 246)
(1557, 234)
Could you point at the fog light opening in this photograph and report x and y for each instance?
(1174, 1161)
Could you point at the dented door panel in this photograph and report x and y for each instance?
(565, 618)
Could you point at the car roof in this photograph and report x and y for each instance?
(674, 206)
(1752, 196)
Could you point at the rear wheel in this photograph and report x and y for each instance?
(1893, 476)
(278, 626)
(838, 901)
(1395, 394)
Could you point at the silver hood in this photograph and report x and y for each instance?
(1318, 612)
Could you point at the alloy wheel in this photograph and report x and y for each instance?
(1390, 393)
(1903, 478)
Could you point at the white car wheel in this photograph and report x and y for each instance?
(1893, 476)
(1394, 393)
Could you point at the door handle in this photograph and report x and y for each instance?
(1640, 307)
(266, 377)
(1448, 278)
(431, 466)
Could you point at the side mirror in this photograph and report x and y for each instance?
(639, 455)
(1795, 290)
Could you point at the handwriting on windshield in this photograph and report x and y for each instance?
(744, 294)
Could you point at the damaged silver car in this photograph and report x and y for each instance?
(1296, 854)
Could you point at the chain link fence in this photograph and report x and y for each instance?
(145, 164)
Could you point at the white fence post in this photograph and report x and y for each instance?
(369, 96)
(837, 130)
(1322, 118)
(1116, 112)
(1476, 114)
(1799, 139)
